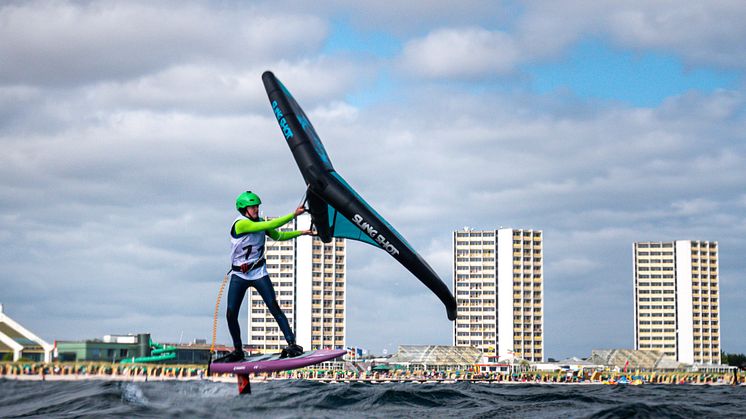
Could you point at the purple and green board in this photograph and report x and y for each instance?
(271, 363)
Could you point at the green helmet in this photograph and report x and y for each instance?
(247, 199)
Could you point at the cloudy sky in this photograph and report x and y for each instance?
(128, 128)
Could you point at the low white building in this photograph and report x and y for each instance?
(21, 342)
(569, 364)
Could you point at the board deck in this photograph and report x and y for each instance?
(273, 362)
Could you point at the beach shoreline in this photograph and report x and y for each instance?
(230, 378)
(170, 372)
(260, 379)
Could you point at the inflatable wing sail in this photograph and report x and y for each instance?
(335, 208)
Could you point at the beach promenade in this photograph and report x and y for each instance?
(163, 372)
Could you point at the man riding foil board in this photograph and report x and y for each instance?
(248, 269)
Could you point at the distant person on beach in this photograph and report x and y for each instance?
(248, 269)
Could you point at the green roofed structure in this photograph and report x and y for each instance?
(112, 348)
(17, 342)
(132, 348)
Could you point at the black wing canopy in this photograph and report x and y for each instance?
(335, 208)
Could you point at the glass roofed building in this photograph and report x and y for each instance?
(436, 357)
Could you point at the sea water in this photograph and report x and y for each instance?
(300, 398)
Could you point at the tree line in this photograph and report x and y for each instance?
(735, 360)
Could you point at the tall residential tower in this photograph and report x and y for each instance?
(677, 299)
(498, 279)
(310, 280)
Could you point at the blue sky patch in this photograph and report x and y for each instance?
(594, 70)
(346, 39)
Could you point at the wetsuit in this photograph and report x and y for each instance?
(249, 270)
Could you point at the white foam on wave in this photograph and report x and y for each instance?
(132, 393)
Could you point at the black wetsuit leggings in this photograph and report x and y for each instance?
(236, 294)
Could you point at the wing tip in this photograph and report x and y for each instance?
(451, 313)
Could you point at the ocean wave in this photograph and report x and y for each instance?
(301, 398)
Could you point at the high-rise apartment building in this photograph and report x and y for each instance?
(498, 279)
(310, 282)
(677, 299)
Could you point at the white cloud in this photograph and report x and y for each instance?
(742, 200)
(460, 53)
(59, 43)
(213, 89)
(703, 35)
(336, 112)
(694, 207)
(571, 266)
(401, 17)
